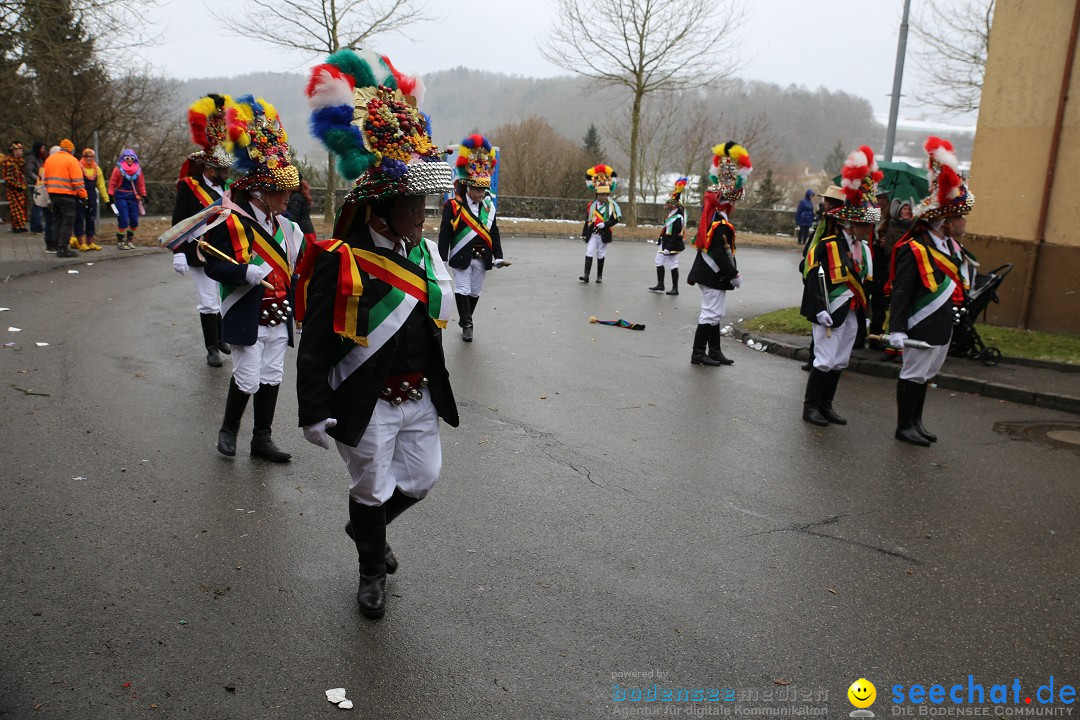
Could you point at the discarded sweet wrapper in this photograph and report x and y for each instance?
(73, 272)
(345, 704)
(40, 344)
(336, 695)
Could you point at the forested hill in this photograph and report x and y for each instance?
(800, 125)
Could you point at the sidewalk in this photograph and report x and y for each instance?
(1057, 388)
(24, 254)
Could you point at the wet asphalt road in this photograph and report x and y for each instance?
(605, 509)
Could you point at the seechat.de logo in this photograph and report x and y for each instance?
(862, 694)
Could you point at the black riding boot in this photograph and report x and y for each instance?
(920, 401)
(235, 404)
(809, 364)
(223, 346)
(674, 282)
(398, 503)
(464, 309)
(210, 333)
(701, 343)
(714, 347)
(262, 445)
(659, 286)
(369, 533)
(831, 381)
(600, 270)
(588, 269)
(815, 392)
(906, 399)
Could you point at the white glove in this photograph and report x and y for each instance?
(599, 226)
(736, 281)
(179, 263)
(824, 319)
(255, 273)
(897, 339)
(316, 434)
(497, 262)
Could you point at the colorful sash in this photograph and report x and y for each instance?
(395, 285)
(939, 293)
(466, 226)
(670, 221)
(201, 193)
(847, 284)
(252, 245)
(597, 217)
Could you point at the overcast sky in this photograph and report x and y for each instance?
(841, 44)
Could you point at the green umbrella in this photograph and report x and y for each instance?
(901, 180)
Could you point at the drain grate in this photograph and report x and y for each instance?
(1057, 435)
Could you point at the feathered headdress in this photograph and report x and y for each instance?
(206, 120)
(261, 146)
(729, 170)
(601, 179)
(365, 112)
(675, 198)
(475, 162)
(859, 179)
(949, 195)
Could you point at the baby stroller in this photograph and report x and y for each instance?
(966, 341)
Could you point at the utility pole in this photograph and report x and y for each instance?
(97, 210)
(898, 79)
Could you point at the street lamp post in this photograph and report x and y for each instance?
(898, 79)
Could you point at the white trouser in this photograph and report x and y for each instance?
(665, 260)
(399, 449)
(206, 292)
(262, 363)
(713, 305)
(833, 353)
(596, 247)
(470, 281)
(922, 364)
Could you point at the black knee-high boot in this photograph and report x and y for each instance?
(659, 286)
(701, 344)
(398, 503)
(464, 309)
(920, 401)
(674, 282)
(907, 399)
(815, 393)
(714, 350)
(369, 533)
(262, 444)
(235, 404)
(222, 345)
(831, 382)
(600, 270)
(588, 269)
(210, 332)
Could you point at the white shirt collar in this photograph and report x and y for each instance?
(264, 219)
(386, 243)
(474, 206)
(941, 241)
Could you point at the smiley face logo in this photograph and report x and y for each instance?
(862, 693)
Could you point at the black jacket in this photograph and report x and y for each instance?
(858, 274)
(452, 223)
(909, 291)
(611, 219)
(721, 253)
(187, 204)
(353, 402)
(240, 323)
(299, 211)
(671, 238)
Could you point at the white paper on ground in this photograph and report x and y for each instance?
(12, 328)
(335, 695)
(42, 344)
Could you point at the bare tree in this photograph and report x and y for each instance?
(955, 39)
(539, 161)
(644, 46)
(321, 27)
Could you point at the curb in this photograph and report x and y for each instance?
(946, 381)
(70, 262)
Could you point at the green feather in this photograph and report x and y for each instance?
(348, 61)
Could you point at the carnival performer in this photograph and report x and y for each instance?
(15, 185)
(714, 269)
(204, 178)
(371, 376)
(671, 240)
(826, 227)
(603, 214)
(930, 272)
(86, 212)
(254, 248)
(127, 188)
(837, 272)
(469, 236)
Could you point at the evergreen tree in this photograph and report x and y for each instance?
(594, 151)
(834, 161)
(767, 194)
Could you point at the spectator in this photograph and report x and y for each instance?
(128, 189)
(299, 210)
(15, 182)
(86, 214)
(804, 217)
(31, 171)
(64, 181)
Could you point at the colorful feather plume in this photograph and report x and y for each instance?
(730, 168)
(475, 162)
(859, 165)
(601, 178)
(949, 194)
